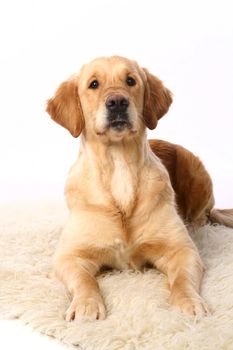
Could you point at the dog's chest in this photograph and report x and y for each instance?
(123, 182)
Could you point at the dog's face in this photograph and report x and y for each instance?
(112, 98)
(111, 92)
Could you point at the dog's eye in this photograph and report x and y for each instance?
(94, 84)
(130, 81)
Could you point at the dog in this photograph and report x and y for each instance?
(130, 200)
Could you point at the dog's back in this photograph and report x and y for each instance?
(192, 185)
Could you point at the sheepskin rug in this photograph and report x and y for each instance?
(139, 316)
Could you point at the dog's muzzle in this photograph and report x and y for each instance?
(118, 117)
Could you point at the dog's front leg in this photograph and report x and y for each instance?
(78, 275)
(168, 246)
(82, 250)
(185, 270)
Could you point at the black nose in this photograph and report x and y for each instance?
(117, 103)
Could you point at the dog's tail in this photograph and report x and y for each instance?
(222, 217)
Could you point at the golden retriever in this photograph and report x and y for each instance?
(122, 201)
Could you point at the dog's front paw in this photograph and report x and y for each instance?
(86, 309)
(192, 305)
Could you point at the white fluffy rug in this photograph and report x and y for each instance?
(139, 316)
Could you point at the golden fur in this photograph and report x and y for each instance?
(122, 204)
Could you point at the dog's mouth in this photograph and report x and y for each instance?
(120, 125)
(119, 121)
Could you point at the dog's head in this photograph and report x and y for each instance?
(111, 98)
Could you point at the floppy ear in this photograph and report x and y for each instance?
(157, 100)
(65, 107)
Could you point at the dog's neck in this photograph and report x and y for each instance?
(116, 167)
(134, 150)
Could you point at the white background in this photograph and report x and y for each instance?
(188, 44)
